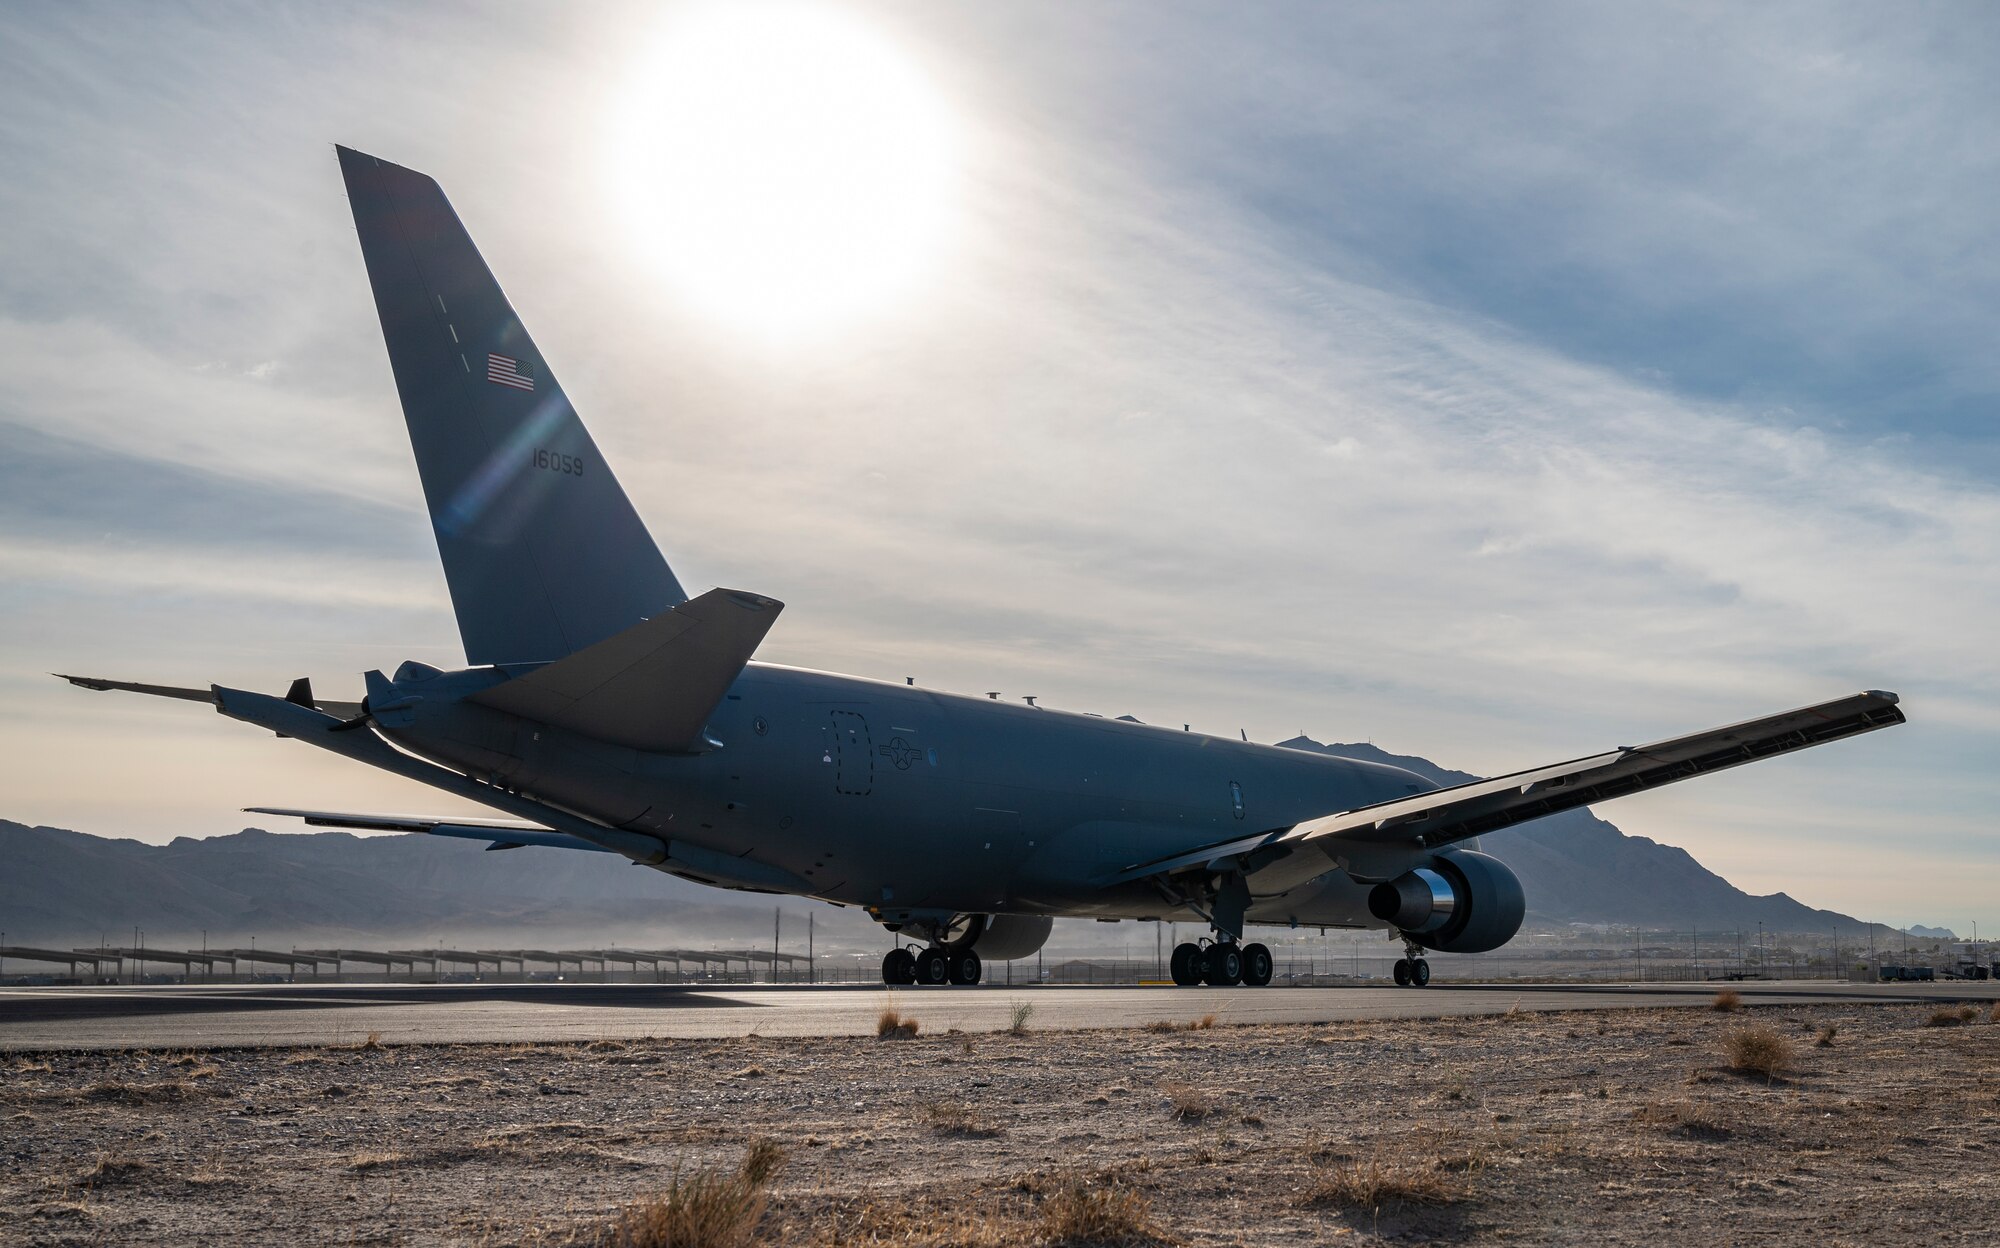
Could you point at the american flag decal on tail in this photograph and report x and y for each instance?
(506, 371)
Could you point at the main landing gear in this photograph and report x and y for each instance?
(1221, 963)
(934, 965)
(1411, 969)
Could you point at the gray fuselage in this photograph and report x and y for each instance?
(909, 801)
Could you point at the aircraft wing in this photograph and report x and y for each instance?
(301, 694)
(499, 833)
(1444, 816)
(1375, 842)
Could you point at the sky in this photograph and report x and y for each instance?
(1493, 383)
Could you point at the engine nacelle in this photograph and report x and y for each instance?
(1011, 936)
(1463, 902)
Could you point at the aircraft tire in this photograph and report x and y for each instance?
(1225, 966)
(933, 967)
(1186, 964)
(964, 967)
(1420, 972)
(899, 966)
(1403, 973)
(1256, 965)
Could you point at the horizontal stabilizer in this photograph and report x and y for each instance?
(500, 833)
(653, 686)
(300, 688)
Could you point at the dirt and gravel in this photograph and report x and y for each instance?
(1880, 1126)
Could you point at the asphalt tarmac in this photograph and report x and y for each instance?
(229, 1016)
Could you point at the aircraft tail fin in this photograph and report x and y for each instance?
(542, 550)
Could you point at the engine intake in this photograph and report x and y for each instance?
(1463, 902)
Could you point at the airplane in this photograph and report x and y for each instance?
(602, 708)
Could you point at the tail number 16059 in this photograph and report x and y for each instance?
(572, 465)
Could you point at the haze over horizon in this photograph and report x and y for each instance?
(1496, 390)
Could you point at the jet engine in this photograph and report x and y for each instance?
(1010, 936)
(1462, 902)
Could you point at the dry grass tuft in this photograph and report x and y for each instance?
(1019, 1012)
(31, 1068)
(1204, 1023)
(752, 1071)
(761, 1160)
(1758, 1050)
(893, 1024)
(1375, 1184)
(957, 1119)
(706, 1209)
(187, 1059)
(109, 1170)
(1077, 1214)
(1683, 1115)
(1952, 1016)
(1161, 1026)
(364, 1162)
(372, 1044)
(1728, 1001)
(1189, 1102)
(606, 1046)
(1826, 1034)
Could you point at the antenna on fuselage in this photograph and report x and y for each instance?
(994, 694)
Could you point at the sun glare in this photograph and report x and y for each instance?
(790, 169)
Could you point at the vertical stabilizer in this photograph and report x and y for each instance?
(542, 550)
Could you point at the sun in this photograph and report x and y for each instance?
(787, 167)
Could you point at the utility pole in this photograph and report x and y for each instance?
(777, 918)
(812, 967)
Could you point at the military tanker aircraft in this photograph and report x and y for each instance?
(604, 709)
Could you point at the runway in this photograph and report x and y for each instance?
(188, 1017)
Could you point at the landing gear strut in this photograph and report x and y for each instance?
(1221, 963)
(1411, 969)
(935, 965)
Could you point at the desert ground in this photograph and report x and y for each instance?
(1823, 1125)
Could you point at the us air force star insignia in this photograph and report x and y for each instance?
(901, 753)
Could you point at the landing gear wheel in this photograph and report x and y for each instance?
(933, 967)
(1420, 972)
(1225, 966)
(1403, 973)
(963, 967)
(899, 966)
(1186, 964)
(1256, 965)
